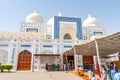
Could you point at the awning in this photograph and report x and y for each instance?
(46, 54)
(106, 46)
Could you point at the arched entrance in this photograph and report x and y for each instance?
(88, 62)
(67, 36)
(69, 59)
(24, 60)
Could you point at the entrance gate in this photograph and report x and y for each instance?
(69, 58)
(24, 60)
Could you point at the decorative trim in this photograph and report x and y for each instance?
(3, 45)
(36, 50)
(25, 45)
(13, 53)
(27, 30)
(67, 46)
(57, 19)
(47, 45)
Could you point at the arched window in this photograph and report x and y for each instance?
(3, 56)
(67, 36)
(47, 52)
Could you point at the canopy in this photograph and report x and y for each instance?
(106, 46)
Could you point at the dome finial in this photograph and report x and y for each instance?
(91, 21)
(89, 15)
(34, 17)
(59, 13)
(35, 11)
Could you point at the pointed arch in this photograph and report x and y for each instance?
(47, 52)
(24, 60)
(68, 32)
(67, 36)
(3, 56)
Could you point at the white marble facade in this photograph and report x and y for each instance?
(38, 37)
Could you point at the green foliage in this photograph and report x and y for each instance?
(2, 67)
(6, 67)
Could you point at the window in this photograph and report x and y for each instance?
(85, 37)
(31, 30)
(48, 36)
(67, 36)
(98, 33)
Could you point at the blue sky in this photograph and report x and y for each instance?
(12, 12)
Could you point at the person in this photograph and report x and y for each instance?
(116, 68)
(108, 72)
(91, 68)
(84, 65)
(90, 74)
(80, 68)
(112, 65)
(68, 66)
(117, 76)
(64, 67)
(103, 73)
(46, 66)
(98, 70)
(113, 72)
(106, 65)
(93, 77)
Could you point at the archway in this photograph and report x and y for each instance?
(69, 59)
(67, 36)
(24, 60)
(3, 56)
(68, 33)
(88, 62)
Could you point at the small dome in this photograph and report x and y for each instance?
(59, 13)
(34, 17)
(90, 21)
(50, 21)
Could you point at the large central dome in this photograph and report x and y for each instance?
(90, 21)
(34, 17)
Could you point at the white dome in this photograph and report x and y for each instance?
(50, 21)
(34, 17)
(90, 21)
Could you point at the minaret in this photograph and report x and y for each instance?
(59, 13)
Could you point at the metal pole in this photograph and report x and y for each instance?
(75, 59)
(67, 65)
(33, 64)
(96, 44)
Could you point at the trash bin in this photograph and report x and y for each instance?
(54, 67)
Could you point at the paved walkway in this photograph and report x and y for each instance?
(38, 75)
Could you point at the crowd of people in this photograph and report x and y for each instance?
(108, 71)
